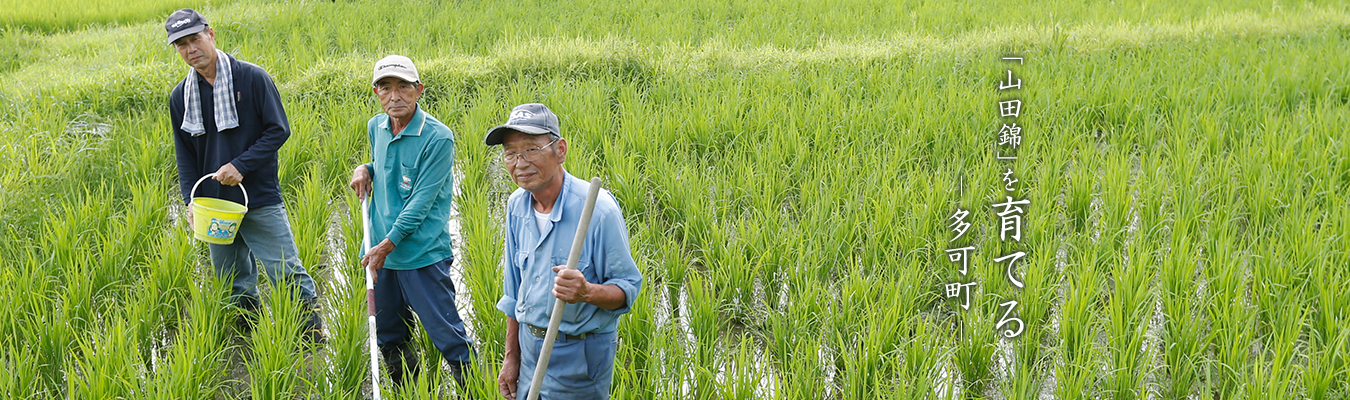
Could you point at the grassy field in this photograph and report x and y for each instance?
(64, 15)
(786, 169)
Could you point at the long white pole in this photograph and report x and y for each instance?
(556, 319)
(370, 304)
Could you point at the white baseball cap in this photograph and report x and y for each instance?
(396, 66)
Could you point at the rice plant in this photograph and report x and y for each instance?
(194, 365)
(109, 365)
(278, 368)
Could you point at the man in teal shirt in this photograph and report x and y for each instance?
(410, 185)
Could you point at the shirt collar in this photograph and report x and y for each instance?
(558, 202)
(414, 128)
(556, 214)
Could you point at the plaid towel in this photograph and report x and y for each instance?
(222, 91)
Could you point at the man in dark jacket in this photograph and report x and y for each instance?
(228, 120)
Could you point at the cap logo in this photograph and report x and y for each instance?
(520, 115)
(387, 66)
(181, 22)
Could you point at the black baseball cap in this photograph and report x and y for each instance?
(184, 22)
(531, 118)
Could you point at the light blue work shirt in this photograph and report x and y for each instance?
(530, 255)
(413, 186)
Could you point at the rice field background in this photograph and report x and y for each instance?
(787, 169)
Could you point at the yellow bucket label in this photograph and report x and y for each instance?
(222, 229)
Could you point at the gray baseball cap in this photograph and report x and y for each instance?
(184, 22)
(531, 118)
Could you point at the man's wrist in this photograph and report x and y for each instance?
(589, 292)
(237, 169)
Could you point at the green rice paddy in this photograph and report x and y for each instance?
(786, 169)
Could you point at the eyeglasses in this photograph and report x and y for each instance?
(530, 155)
(402, 87)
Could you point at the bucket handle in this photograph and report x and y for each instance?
(193, 193)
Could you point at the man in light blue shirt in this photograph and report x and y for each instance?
(541, 222)
(413, 154)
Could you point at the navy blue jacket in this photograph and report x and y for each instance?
(251, 147)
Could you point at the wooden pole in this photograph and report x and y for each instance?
(556, 319)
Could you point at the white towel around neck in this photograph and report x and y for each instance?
(222, 92)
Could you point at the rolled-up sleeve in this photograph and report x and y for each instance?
(615, 257)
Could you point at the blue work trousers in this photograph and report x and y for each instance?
(429, 292)
(577, 368)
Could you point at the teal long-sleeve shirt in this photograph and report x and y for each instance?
(413, 184)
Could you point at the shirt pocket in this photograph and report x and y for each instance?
(519, 259)
(407, 176)
(521, 256)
